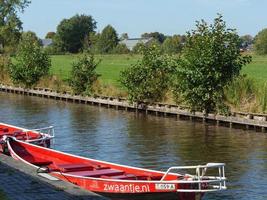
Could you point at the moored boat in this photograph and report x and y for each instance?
(116, 180)
(42, 136)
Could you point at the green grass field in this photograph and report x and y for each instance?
(257, 69)
(111, 66)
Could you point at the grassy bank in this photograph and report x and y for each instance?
(111, 66)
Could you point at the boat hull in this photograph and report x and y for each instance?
(26, 135)
(106, 178)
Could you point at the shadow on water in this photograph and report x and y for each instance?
(147, 141)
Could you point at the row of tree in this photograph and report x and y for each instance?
(78, 34)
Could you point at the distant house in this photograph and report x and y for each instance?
(132, 42)
(46, 42)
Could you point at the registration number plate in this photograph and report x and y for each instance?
(165, 186)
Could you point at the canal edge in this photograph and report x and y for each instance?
(239, 120)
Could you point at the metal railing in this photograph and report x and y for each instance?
(201, 182)
(46, 130)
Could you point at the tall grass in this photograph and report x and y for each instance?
(244, 94)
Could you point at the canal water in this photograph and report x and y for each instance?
(147, 141)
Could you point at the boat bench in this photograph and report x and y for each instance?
(98, 173)
(74, 167)
(78, 167)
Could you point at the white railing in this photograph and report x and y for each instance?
(201, 182)
(46, 131)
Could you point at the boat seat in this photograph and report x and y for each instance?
(121, 177)
(4, 130)
(37, 161)
(155, 178)
(98, 173)
(74, 167)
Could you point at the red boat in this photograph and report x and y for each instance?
(40, 137)
(114, 180)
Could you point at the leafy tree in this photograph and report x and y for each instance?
(83, 74)
(50, 35)
(172, 45)
(108, 40)
(10, 24)
(210, 60)
(91, 42)
(261, 42)
(71, 33)
(149, 78)
(160, 37)
(31, 63)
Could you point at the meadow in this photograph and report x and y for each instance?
(111, 66)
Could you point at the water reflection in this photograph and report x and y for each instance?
(147, 141)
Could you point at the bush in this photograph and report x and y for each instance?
(148, 79)
(210, 60)
(31, 63)
(83, 74)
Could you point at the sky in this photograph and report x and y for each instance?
(139, 16)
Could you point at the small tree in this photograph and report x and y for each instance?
(148, 79)
(261, 42)
(210, 60)
(108, 40)
(83, 74)
(31, 63)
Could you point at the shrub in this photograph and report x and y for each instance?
(31, 63)
(148, 79)
(210, 60)
(83, 74)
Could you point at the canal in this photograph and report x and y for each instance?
(147, 141)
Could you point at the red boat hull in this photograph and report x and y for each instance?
(103, 177)
(22, 134)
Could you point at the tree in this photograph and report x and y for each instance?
(31, 63)
(10, 24)
(261, 42)
(148, 79)
(108, 39)
(160, 37)
(172, 45)
(71, 33)
(83, 74)
(91, 42)
(50, 35)
(210, 60)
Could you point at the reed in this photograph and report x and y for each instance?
(244, 94)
